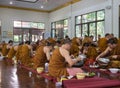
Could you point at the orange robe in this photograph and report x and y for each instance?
(57, 65)
(102, 44)
(91, 55)
(11, 53)
(40, 58)
(4, 50)
(74, 50)
(25, 55)
(18, 52)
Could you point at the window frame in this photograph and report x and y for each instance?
(88, 23)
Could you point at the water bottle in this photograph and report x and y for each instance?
(30, 73)
(58, 84)
(46, 67)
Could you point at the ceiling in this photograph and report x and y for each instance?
(48, 5)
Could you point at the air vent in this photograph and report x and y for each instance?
(31, 1)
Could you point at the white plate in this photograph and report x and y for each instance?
(104, 60)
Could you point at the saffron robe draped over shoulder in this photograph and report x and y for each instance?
(57, 65)
(40, 58)
(25, 55)
(11, 53)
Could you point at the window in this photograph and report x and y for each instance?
(90, 24)
(31, 31)
(59, 29)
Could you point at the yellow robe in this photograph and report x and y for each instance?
(57, 65)
(74, 50)
(102, 44)
(18, 52)
(25, 55)
(4, 50)
(11, 53)
(40, 58)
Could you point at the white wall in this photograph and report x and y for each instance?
(116, 4)
(86, 6)
(7, 16)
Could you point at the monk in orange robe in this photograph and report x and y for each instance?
(59, 59)
(26, 53)
(42, 55)
(112, 52)
(11, 53)
(74, 50)
(102, 42)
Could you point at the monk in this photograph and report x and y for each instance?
(60, 59)
(112, 52)
(7, 47)
(18, 52)
(74, 50)
(26, 53)
(42, 55)
(102, 42)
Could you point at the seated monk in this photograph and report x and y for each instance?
(60, 60)
(7, 47)
(18, 52)
(102, 42)
(112, 52)
(74, 50)
(26, 53)
(42, 55)
(90, 51)
(11, 53)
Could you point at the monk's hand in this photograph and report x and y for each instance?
(114, 56)
(97, 58)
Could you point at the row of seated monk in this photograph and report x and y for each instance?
(64, 53)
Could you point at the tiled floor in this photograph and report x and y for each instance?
(13, 77)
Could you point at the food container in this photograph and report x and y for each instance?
(40, 69)
(80, 75)
(113, 70)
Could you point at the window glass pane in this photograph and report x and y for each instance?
(65, 22)
(84, 30)
(26, 24)
(92, 30)
(41, 26)
(78, 19)
(53, 25)
(100, 28)
(89, 17)
(101, 15)
(53, 33)
(78, 31)
(17, 24)
(17, 38)
(34, 25)
(65, 31)
(26, 35)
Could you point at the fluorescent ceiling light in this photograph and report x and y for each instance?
(11, 3)
(33, 1)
